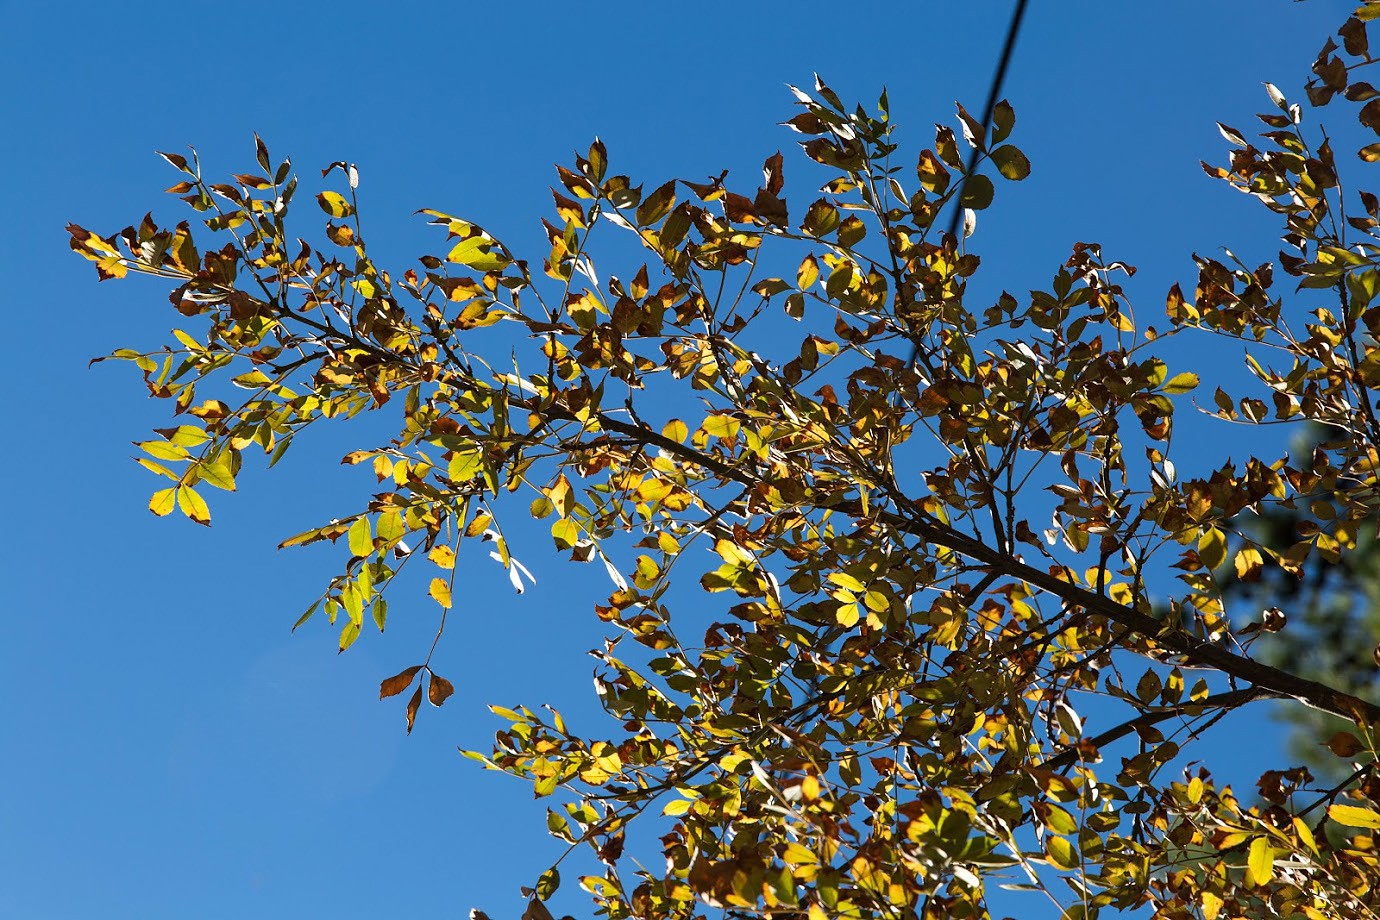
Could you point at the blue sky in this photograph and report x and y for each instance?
(171, 751)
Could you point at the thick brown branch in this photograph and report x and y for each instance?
(1194, 650)
(1231, 699)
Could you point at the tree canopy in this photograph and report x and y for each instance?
(910, 599)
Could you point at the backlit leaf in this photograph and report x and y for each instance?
(1010, 162)
(440, 592)
(193, 505)
(1181, 383)
(1354, 816)
(334, 204)
(977, 192)
(1260, 861)
(439, 690)
(163, 501)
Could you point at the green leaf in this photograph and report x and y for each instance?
(348, 635)
(391, 527)
(977, 193)
(217, 472)
(1057, 819)
(1003, 120)
(361, 538)
(1011, 163)
(1181, 383)
(465, 464)
(478, 253)
(548, 883)
(1061, 852)
(306, 616)
(657, 205)
(164, 450)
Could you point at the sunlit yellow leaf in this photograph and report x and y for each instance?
(163, 501)
(721, 426)
(440, 592)
(1354, 816)
(193, 505)
(676, 430)
(566, 533)
(334, 204)
(361, 537)
(1260, 862)
(217, 473)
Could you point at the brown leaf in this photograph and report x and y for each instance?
(1344, 744)
(398, 682)
(772, 175)
(412, 706)
(536, 910)
(439, 690)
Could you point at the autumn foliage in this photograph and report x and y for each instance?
(938, 528)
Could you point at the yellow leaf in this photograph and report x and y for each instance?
(164, 450)
(1061, 852)
(1248, 563)
(1057, 819)
(1260, 863)
(465, 464)
(807, 274)
(361, 538)
(566, 533)
(1305, 835)
(654, 490)
(334, 204)
(1354, 816)
(440, 591)
(443, 556)
(391, 527)
(349, 634)
(677, 807)
(721, 426)
(193, 505)
(1212, 547)
(158, 468)
(163, 501)
(676, 430)
(477, 253)
(217, 473)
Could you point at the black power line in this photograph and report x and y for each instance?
(993, 95)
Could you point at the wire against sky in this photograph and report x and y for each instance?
(993, 94)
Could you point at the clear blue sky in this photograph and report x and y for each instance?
(170, 750)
